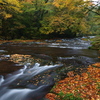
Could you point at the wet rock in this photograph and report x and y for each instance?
(8, 67)
(43, 56)
(1, 51)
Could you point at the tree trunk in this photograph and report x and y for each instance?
(4, 29)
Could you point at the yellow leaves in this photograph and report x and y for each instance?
(7, 16)
(63, 15)
(11, 3)
(57, 3)
(62, 3)
(1, 2)
(14, 2)
(9, 7)
(54, 23)
(68, 4)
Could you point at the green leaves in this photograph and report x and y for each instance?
(68, 96)
(66, 14)
(34, 17)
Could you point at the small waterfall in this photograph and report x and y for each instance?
(29, 83)
(1, 79)
(14, 76)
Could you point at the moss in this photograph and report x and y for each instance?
(95, 43)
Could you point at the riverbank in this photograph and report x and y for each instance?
(85, 86)
(95, 43)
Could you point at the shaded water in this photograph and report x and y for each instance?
(29, 83)
(39, 62)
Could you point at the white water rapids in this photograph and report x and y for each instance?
(10, 87)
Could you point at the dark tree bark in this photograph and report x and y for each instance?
(4, 29)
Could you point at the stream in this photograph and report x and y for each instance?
(29, 70)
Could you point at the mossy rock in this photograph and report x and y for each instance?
(95, 43)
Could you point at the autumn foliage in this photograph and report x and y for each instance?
(85, 85)
(32, 19)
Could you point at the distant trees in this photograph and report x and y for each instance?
(94, 18)
(28, 19)
(66, 16)
(8, 9)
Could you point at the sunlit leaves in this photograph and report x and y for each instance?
(36, 17)
(8, 7)
(13, 2)
(66, 14)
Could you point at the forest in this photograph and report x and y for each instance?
(49, 49)
(39, 19)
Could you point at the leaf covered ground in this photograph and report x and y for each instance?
(86, 85)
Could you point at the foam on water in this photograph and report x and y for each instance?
(9, 89)
(76, 43)
(1, 79)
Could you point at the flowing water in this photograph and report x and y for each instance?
(30, 69)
